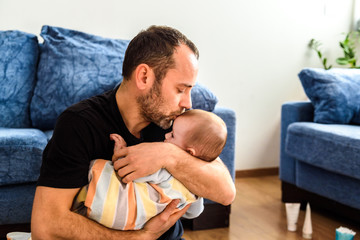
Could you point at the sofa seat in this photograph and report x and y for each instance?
(16, 202)
(319, 163)
(21, 153)
(333, 147)
(340, 188)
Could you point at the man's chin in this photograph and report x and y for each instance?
(165, 124)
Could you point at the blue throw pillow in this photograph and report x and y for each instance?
(18, 59)
(335, 94)
(73, 66)
(203, 98)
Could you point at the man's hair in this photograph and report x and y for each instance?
(155, 47)
(207, 135)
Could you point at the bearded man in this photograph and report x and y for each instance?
(160, 68)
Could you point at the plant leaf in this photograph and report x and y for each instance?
(342, 61)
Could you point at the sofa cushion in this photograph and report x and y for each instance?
(335, 94)
(19, 55)
(203, 98)
(21, 154)
(49, 134)
(333, 147)
(73, 66)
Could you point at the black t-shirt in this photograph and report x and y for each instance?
(82, 133)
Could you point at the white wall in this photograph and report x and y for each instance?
(250, 51)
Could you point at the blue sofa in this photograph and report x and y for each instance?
(38, 81)
(320, 143)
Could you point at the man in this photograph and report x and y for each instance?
(160, 68)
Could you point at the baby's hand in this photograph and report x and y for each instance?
(119, 142)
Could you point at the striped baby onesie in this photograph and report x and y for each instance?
(121, 206)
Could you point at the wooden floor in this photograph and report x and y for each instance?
(258, 213)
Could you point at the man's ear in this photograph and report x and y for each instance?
(190, 150)
(144, 76)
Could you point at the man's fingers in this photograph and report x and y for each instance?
(168, 214)
(118, 164)
(119, 154)
(170, 209)
(128, 177)
(162, 222)
(125, 171)
(174, 217)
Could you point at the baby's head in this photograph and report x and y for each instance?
(201, 133)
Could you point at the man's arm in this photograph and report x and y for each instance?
(52, 219)
(210, 180)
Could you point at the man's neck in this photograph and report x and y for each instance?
(129, 110)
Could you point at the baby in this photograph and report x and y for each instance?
(129, 206)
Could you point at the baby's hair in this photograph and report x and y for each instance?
(207, 135)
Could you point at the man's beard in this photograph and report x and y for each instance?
(151, 105)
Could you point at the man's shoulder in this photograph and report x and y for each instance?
(90, 106)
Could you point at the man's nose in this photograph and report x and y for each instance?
(186, 101)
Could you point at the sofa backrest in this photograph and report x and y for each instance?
(18, 59)
(74, 66)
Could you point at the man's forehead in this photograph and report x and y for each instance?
(175, 77)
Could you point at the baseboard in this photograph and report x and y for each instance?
(259, 172)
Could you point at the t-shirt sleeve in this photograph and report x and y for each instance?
(66, 157)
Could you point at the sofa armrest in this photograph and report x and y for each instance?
(292, 112)
(216, 215)
(228, 153)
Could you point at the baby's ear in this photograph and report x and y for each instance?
(191, 151)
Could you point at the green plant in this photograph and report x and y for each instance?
(349, 45)
(314, 44)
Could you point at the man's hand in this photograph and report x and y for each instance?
(140, 160)
(159, 224)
